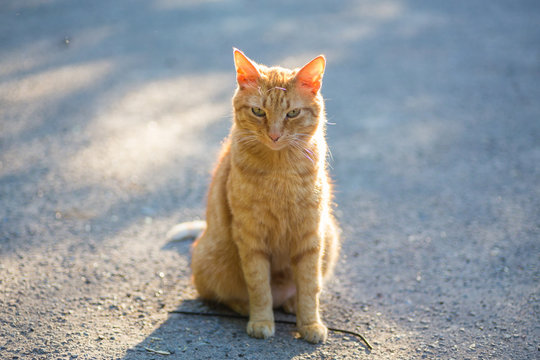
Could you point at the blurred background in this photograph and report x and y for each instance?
(111, 117)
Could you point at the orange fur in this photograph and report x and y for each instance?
(270, 237)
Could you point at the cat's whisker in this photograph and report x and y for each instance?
(306, 145)
(309, 151)
(303, 138)
(303, 150)
(276, 87)
(305, 134)
(248, 139)
(330, 154)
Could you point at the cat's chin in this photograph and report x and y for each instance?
(276, 146)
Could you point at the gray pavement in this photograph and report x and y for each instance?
(111, 116)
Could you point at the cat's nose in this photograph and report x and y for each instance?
(274, 136)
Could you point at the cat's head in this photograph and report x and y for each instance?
(275, 106)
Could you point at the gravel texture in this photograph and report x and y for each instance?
(111, 116)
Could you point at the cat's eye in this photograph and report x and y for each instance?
(258, 111)
(293, 113)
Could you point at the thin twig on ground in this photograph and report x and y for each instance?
(236, 316)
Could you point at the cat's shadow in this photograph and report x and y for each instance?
(201, 329)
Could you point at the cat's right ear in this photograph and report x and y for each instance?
(246, 70)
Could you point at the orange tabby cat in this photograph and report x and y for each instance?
(270, 236)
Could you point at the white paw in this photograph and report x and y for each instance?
(314, 333)
(261, 329)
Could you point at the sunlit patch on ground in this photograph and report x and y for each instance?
(150, 128)
(20, 95)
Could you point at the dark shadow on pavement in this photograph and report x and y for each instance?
(211, 337)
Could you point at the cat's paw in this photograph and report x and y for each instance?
(261, 329)
(314, 333)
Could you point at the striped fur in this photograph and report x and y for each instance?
(270, 237)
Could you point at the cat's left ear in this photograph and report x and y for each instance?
(246, 71)
(310, 76)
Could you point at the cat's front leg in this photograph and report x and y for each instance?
(256, 268)
(307, 271)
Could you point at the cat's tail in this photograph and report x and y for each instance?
(186, 230)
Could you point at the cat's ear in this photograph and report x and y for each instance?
(246, 70)
(310, 76)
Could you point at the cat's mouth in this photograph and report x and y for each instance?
(276, 145)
